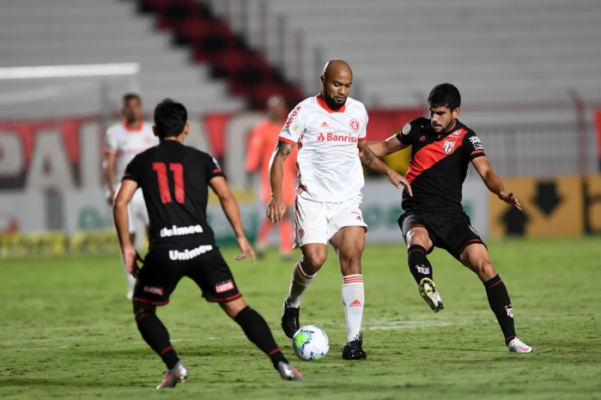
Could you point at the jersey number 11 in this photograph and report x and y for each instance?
(178, 181)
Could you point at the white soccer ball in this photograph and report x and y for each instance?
(310, 343)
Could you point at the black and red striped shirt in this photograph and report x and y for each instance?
(438, 166)
(174, 180)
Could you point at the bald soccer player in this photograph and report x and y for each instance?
(330, 130)
(263, 139)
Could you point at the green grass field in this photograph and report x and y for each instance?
(66, 331)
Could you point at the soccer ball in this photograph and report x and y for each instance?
(310, 343)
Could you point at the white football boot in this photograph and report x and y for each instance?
(427, 289)
(517, 346)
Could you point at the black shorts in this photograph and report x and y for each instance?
(160, 274)
(451, 232)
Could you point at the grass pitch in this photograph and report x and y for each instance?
(67, 331)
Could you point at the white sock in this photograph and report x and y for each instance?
(353, 298)
(131, 281)
(300, 281)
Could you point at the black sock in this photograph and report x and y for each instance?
(257, 331)
(418, 263)
(156, 335)
(500, 304)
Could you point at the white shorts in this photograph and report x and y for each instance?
(136, 210)
(317, 222)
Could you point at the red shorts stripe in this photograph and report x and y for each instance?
(234, 297)
(468, 243)
(156, 303)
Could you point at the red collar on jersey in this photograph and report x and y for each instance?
(133, 130)
(325, 106)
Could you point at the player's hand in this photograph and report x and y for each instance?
(397, 180)
(276, 209)
(130, 258)
(510, 198)
(246, 249)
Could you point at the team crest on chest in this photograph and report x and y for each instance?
(354, 124)
(449, 146)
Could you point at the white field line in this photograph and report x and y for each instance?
(417, 324)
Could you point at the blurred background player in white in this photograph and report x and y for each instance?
(263, 139)
(330, 130)
(122, 142)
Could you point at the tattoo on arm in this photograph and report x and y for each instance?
(367, 157)
(284, 149)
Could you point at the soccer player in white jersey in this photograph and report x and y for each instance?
(330, 130)
(122, 142)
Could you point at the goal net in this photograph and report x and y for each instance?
(52, 122)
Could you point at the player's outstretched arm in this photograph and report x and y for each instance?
(493, 182)
(232, 212)
(276, 208)
(109, 170)
(126, 192)
(369, 159)
(387, 147)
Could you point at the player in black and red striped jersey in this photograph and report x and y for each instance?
(441, 150)
(174, 180)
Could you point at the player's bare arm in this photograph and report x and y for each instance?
(493, 182)
(109, 171)
(126, 192)
(231, 210)
(387, 147)
(371, 161)
(276, 208)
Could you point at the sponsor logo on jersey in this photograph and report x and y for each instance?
(422, 269)
(406, 129)
(448, 146)
(421, 139)
(476, 142)
(456, 133)
(354, 124)
(291, 118)
(224, 286)
(154, 290)
(331, 137)
(189, 254)
(324, 124)
(181, 231)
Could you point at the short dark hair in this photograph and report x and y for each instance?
(445, 95)
(131, 96)
(170, 118)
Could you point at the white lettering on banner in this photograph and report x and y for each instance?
(181, 231)
(49, 164)
(183, 255)
(11, 155)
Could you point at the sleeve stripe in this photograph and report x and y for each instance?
(477, 152)
(217, 171)
(286, 141)
(362, 139)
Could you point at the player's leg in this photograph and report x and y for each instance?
(257, 331)
(419, 245)
(263, 237)
(311, 236)
(349, 243)
(475, 256)
(155, 282)
(212, 274)
(285, 228)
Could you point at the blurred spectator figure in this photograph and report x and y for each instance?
(263, 139)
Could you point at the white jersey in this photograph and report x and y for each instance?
(328, 157)
(126, 143)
